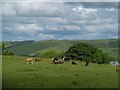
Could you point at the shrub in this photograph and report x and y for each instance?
(5, 51)
(49, 54)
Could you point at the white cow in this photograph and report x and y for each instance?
(114, 63)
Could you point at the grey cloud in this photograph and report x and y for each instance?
(34, 9)
(95, 4)
(41, 9)
(60, 22)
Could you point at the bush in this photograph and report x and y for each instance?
(5, 51)
(49, 54)
(61, 55)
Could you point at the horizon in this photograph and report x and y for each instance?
(59, 20)
(59, 40)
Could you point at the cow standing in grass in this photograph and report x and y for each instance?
(116, 64)
(117, 68)
(37, 59)
(55, 61)
(74, 63)
(29, 61)
(66, 59)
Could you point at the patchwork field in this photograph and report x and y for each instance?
(44, 74)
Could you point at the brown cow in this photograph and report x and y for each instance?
(117, 69)
(37, 59)
(29, 61)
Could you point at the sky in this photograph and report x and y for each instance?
(59, 20)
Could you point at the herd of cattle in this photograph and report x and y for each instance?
(56, 61)
(66, 59)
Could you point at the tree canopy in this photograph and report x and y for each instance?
(86, 52)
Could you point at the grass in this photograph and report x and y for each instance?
(0, 71)
(112, 52)
(28, 48)
(44, 74)
(59, 48)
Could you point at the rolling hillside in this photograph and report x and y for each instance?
(33, 47)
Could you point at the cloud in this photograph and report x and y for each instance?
(83, 10)
(72, 27)
(95, 4)
(66, 0)
(28, 29)
(58, 20)
(53, 28)
(105, 30)
(42, 36)
(41, 9)
(111, 9)
(8, 9)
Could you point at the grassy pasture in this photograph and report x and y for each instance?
(44, 74)
(28, 48)
(0, 71)
(112, 52)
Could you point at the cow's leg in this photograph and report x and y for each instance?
(31, 62)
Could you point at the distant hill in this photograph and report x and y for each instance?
(36, 47)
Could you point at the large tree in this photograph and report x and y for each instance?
(86, 52)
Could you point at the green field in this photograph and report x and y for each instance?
(44, 74)
(23, 48)
(112, 52)
(0, 71)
